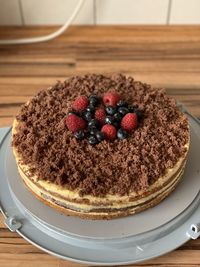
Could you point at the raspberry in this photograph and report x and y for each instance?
(75, 123)
(109, 131)
(111, 99)
(100, 115)
(129, 122)
(80, 103)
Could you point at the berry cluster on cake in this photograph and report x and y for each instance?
(101, 147)
(99, 119)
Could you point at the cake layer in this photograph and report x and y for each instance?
(73, 196)
(107, 207)
(98, 212)
(113, 178)
(92, 207)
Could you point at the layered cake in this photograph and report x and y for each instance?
(101, 147)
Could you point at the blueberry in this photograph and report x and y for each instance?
(117, 116)
(92, 140)
(90, 109)
(109, 120)
(121, 134)
(94, 100)
(87, 115)
(111, 110)
(79, 135)
(116, 124)
(123, 110)
(139, 114)
(122, 103)
(100, 136)
(131, 109)
(93, 123)
(93, 130)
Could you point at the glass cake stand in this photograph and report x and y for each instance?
(133, 239)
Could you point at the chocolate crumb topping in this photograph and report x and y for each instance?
(119, 167)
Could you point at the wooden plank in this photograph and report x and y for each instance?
(6, 122)
(29, 259)
(2, 225)
(180, 257)
(9, 110)
(12, 101)
(124, 34)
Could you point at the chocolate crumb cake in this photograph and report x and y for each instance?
(101, 147)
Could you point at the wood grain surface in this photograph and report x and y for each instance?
(163, 56)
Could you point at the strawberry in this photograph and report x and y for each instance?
(129, 122)
(80, 103)
(109, 131)
(75, 123)
(100, 115)
(111, 99)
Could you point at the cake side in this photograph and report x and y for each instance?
(109, 199)
(111, 206)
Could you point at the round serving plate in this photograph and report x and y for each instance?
(120, 241)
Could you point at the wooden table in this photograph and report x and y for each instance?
(163, 56)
